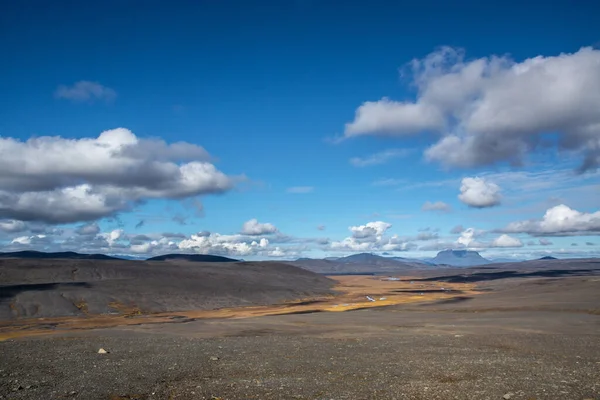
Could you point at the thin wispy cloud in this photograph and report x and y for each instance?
(389, 182)
(438, 206)
(85, 91)
(379, 158)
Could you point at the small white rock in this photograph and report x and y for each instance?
(102, 351)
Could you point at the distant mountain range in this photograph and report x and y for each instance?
(64, 254)
(355, 263)
(367, 262)
(359, 263)
(370, 257)
(71, 255)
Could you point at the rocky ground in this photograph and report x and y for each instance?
(527, 338)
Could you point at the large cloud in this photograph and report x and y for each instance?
(560, 220)
(58, 180)
(495, 109)
(479, 193)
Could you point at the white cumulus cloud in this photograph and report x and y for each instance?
(31, 240)
(253, 228)
(371, 237)
(232, 245)
(468, 238)
(479, 193)
(560, 220)
(506, 241)
(371, 230)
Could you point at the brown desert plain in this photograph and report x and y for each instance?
(267, 330)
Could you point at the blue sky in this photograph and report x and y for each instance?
(314, 113)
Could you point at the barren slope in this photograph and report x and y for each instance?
(44, 288)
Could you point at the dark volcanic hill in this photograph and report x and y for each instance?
(548, 258)
(460, 258)
(362, 258)
(192, 257)
(64, 287)
(69, 255)
(357, 263)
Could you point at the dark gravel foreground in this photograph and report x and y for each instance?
(525, 339)
(144, 366)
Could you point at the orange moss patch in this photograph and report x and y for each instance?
(352, 292)
(126, 310)
(82, 306)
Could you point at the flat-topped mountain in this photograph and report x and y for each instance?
(460, 258)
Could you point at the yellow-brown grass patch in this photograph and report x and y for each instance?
(351, 295)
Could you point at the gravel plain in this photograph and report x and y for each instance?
(526, 338)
